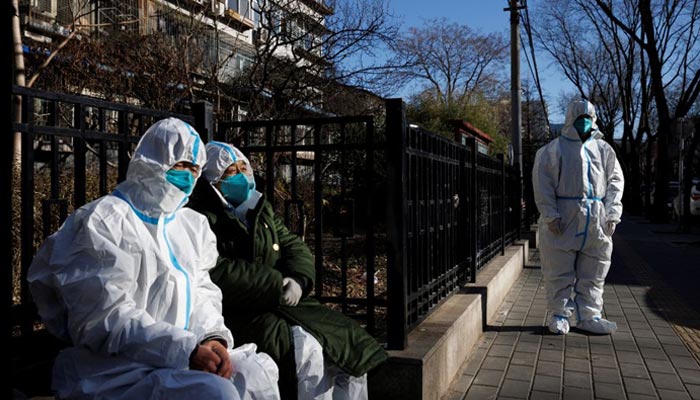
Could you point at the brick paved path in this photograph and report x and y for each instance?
(645, 359)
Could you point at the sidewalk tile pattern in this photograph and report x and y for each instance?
(647, 358)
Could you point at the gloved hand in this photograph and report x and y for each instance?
(609, 228)
(291, 292)
(555, 226)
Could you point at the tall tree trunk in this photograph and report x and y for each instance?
(662, 163)
(19, 81)
(647, 174)
(688, 175)
(633, 181)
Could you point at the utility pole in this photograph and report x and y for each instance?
(515, 104)
(516, 111)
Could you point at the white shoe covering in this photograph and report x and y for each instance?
(598, 325)
(558, 325)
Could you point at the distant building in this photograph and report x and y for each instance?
(463, 130)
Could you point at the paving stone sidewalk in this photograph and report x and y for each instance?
(647, 358)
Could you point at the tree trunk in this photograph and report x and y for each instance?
(647, 175)
(633, 200)
(19, 81)
(662, 162)
(688, 176)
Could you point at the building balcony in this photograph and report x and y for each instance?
(237, 21)
(310, 55)
(318, 6)
(310, 23)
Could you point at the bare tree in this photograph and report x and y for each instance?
(606, 67)
(457, 75)
(301, 56)
(450, 59)
(668, 35)
(151, 60)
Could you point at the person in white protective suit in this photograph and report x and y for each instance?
(578, 185)
(125, 282)
(266, 274)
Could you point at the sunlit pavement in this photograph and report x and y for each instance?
(652, 292)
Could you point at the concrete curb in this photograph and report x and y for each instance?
(438, 347)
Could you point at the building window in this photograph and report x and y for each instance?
(243, 62)
(276, 21)
(240, 6)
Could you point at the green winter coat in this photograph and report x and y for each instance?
(252, 263)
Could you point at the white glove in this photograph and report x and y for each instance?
(609, 228)
(555, 226)
(291, 292)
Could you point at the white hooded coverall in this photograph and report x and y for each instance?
(125, 280)
(580, 183)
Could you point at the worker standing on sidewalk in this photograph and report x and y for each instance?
(578, 185)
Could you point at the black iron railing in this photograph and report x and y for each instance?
(419, 212)
(323, 177)
(452, 210)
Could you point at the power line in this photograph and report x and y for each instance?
(533, 66)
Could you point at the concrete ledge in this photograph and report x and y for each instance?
(494, 281)
(438, 346)
(532, 236)
(436, 350)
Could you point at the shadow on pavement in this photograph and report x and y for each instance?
(664, 260)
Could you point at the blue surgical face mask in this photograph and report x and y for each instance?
(182, 179)
(236, 188)
(583, 125)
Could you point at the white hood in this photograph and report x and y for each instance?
(220, 156)
(575, 110)
(146, 187)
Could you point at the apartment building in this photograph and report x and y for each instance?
(226, 39)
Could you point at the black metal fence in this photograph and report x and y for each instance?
(324, 176)
(418, 212)
(451, 210)
(398, 218)
(529, 209)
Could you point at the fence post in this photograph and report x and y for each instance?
(27, 213)
(501, 160)
(203, 113)
(6, 219)
(519, 200)
(397, 334)
(123, 146)
(79, 161)
(464, 209)
(474, 211)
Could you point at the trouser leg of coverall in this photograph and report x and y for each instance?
(319, 380)
(74, 377)
(255, 377)
(591, 269)
(559, 278)
(348, 387)
(255, 374)
(168, 383)
(313, 382)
